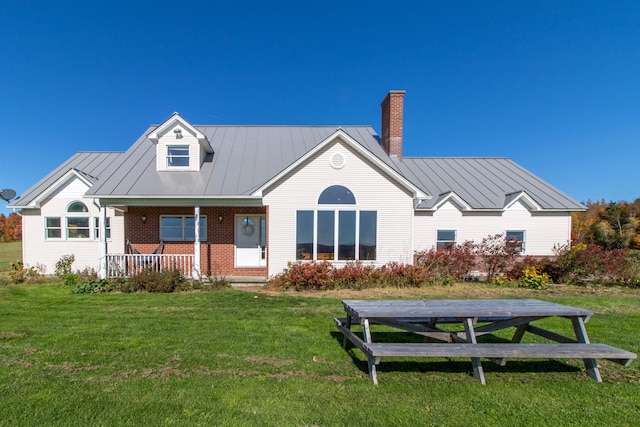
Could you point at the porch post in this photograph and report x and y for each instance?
(102, 233)
(196, 243)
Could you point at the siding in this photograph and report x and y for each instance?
(42, 253)
(543, 230)
(371, 188)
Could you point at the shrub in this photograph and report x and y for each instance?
(63, 266)
(444, 266)
(19, 274)
(531, 279)
(588, 264)
(71, 279)
(495, 254)
(93, 287)
(153, 281)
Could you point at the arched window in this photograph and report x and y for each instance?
(337, 195)
(77, 221)
(332, 234)
(77, 207)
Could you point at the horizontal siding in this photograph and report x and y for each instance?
(372, 190)
(42, 253)
(543, 230)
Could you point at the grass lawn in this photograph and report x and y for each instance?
(9, 252)
(256, 358)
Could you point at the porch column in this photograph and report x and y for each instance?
(102, 233)
(196, 243)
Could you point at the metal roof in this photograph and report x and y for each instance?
(246, 157)
(90, 165)
(483, 183)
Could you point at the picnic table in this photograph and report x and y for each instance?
(475, 318)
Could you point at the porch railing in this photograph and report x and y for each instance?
(126, 265)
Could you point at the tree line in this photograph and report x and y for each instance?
(10, 227)
(612, 225)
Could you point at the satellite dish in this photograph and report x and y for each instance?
(7, 194)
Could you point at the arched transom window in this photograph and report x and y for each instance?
(337, 230)
(77, 221)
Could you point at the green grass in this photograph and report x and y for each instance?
(239, 358)
(9, 252)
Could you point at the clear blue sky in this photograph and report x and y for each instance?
(554, 85)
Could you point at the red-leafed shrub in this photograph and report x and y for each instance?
(444, 266)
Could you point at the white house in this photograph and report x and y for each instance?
(246, 200)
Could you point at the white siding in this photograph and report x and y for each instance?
(372, 190)
(542, 230)
(188, 139)
(38, 251)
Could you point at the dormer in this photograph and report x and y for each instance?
(179, 146)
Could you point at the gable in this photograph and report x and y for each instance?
(336, 153)
(179, 145)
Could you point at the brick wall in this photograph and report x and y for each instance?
(217, 253)
(392, 122)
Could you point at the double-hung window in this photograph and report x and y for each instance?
(52, 227)
(337, 230)
(446, 239)
(182, 228)
(515, 240)
(177, 156)
(96, 228)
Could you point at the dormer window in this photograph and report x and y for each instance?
(177, 156)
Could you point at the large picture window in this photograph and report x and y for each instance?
(181, 228)
(340, 234)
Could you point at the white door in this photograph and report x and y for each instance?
(251, 250)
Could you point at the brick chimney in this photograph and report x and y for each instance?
(392, 107)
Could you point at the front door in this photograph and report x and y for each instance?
(251, 249)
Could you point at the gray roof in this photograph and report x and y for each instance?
(247, 157)
(482, 183)
(91, 165)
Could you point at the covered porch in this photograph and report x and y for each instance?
(199, 241)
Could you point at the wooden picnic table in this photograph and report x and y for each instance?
(478, 317)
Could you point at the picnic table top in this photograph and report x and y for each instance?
(460, 308)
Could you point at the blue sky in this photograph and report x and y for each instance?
(553, 85)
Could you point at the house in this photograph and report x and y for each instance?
(246, 200)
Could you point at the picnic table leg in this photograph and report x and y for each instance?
(348, 326)
(478, 372)
(581, 336)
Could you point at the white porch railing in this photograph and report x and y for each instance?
(126, 265)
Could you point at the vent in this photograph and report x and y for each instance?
(338, 161)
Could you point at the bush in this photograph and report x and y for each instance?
(531, 279)
(63, 266)
(153, 281)
(589, 264)
(19, 274)
(496, 254)
(445, 266)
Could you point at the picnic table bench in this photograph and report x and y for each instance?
(478, 317)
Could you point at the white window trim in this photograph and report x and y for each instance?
(524, 239)
(169, 156)
(454, 241)
(203, 221)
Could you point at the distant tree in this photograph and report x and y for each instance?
(10, 227)
(616, 227)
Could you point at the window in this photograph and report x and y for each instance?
(515, 239)
(338, 234)
(446, 239)
(96, 228)
(78, 223)
(304, 235)
(178, 156)
(182, 228)
(52, 228)
(336, 195)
